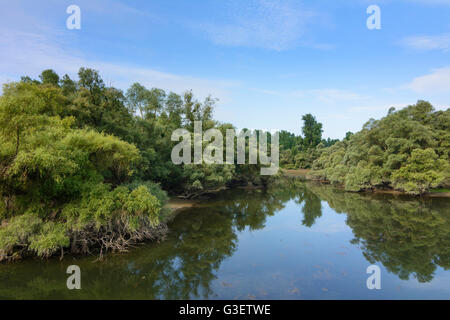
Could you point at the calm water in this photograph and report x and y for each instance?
(297, 241)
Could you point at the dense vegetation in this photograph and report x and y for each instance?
(83, 165)
(407, 150)
(300, 152)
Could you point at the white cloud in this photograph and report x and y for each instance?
(26, 53)
(329, 95)
(436, 42)
(436, 82)
(270, 24)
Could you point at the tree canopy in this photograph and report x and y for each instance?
(82, 164)
(407, 150)
(300, 152)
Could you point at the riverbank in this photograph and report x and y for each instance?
(303, 173)
(295, 172)
(177, 205)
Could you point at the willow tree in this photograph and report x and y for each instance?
(407, 150)
(63, 187)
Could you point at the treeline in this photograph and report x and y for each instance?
(407, 150)
(83, 166)
(299, 152)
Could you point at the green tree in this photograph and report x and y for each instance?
(406, 150)
(312, 131)
(90, 79)
(137, 96)
(68, 86)
(422, 171)
(63, 186)
(49, 77)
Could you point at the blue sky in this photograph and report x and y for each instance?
(268, 62)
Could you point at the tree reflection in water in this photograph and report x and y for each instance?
(409, 236)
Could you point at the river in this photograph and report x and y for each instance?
(295, 241)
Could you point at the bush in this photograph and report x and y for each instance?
(60, 183)
(422, 171)
(51, 238)
(15, 235)
(404, 150)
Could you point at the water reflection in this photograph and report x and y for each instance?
(410, 237)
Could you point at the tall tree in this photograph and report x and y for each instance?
(68, 86)
(49, 77)
(137, 96)
(312, 130)
(91, 80)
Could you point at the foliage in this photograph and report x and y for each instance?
(312, 131)
(421, 171)
(90, 162)
(49, 77)
(83, 165)
(407, 150)
(51, 237)
(56, 179)
(299, 152)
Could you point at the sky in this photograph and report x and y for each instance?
(268, 62)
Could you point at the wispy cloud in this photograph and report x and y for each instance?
(26, 53)
(427, 42)
(269, 24)
(329, 95)
(438, 81)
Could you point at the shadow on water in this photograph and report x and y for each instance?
(410, 237)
